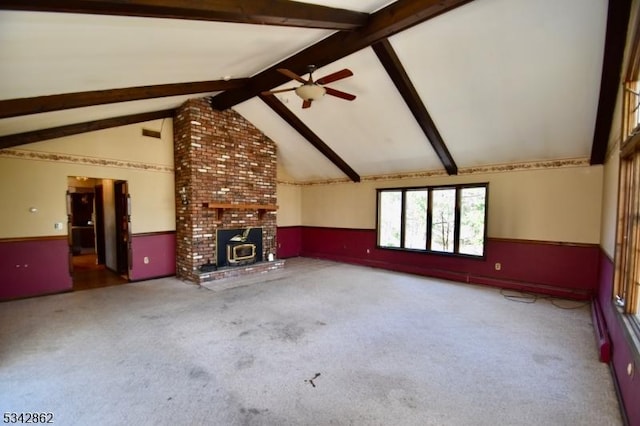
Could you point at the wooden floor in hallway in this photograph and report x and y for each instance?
(88, 274)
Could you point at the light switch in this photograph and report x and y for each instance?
(57, 225)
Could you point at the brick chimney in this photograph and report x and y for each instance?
(225, 178)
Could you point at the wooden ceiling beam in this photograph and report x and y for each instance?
(39, 104)
(388, 21)
(614, 45)
(9, 141)
(401, 80)
(265, 12)
(288, 116)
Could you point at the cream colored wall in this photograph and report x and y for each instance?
(609, 205)
(289, 199)
(31, 176)
(31, 184)
(289, 204)
(124, 143)
(561, 204)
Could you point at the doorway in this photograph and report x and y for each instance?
(98, 226)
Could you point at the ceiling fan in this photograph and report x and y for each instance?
(313, 90)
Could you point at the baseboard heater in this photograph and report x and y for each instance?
(600, 330)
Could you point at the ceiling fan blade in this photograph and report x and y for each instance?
(291, 75)
(306, 104)
(271, 92)
(338, 75)
(339, 94)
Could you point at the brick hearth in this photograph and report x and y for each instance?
(238, 271)
(225, 177)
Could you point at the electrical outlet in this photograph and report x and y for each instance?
(498, 266)
(57, 225)
(146, 260)
(630, 369)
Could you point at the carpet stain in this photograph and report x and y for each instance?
(544, 359)
(403, 398)
(387, 388)
(252, 415)
(290, 332)
(244, 362)
(245, 333)
(199, 373)
(151, 317)
(253, 411)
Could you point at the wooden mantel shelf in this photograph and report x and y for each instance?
(221, 207)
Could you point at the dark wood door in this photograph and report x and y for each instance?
(123, 227)
(99, 225)
(70, 230)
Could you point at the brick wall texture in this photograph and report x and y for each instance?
(219, 158)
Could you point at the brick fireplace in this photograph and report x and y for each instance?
(225, 178)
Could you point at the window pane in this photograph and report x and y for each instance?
(632, 241)
(390, 215)
(415, 220)
(472, 214)
(443, 214)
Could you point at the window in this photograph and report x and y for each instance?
(443, 212)
(627, 276)
(415, 230)
(390, 214)
(626, 288)
(441, 219)
(472, 213)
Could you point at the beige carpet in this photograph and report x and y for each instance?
(318, 343)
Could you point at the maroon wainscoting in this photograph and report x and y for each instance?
(621, 356)
(289, 241)
(159, 249)
(566, 270)
(34, 266)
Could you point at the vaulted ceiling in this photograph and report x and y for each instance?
(439, 85)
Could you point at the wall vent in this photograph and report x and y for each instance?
(151, 133)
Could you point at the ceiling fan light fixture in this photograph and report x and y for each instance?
(310, 92)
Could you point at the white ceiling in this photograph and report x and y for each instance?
(510, 80)
(51, 53)
(504, 80)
